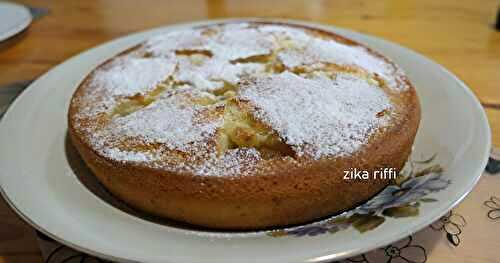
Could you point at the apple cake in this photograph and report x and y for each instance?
(244, 125)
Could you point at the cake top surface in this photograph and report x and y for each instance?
(223, 99)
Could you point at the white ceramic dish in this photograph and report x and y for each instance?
(14, 18)
(40, 184)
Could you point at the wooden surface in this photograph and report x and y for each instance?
(456, 34)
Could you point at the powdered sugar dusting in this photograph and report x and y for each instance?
(129, 75)
(299, 36)
(229, 43)
(132, 156)
(166, 121)
(318, 117)
(329, 51)
(211, 73)
(242, 43)
(167, 43)
(230, 163)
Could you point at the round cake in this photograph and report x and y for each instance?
(244, 125)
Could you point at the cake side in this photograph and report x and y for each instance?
(260, 171)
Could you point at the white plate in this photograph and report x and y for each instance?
(39, 183)
(14, 18)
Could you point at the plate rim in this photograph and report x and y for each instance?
(18, 28)
(329, 256)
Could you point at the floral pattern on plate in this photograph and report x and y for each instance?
(402, 198)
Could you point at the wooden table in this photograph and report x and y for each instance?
(456, 34)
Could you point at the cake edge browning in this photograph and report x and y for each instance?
(286, 195)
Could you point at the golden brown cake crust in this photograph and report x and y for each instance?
(290, 190)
